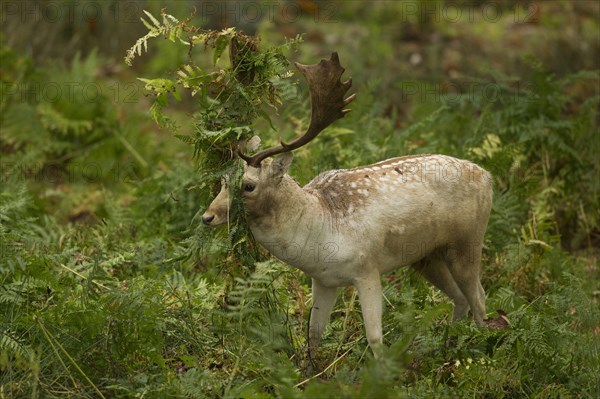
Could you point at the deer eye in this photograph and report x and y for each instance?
(249, 187)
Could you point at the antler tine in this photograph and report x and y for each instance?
(327, 104)
(239, 150)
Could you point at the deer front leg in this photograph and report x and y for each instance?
(323, 301)
(371, 304)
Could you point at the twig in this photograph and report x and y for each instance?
(50, 339)
(324, 371)
(82, 276)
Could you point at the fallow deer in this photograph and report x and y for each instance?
(348, 227)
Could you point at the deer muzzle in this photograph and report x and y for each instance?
(207, 219)
(218, 211)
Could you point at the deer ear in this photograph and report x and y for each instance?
(281, 164)
(253, 144)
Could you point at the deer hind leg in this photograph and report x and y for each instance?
(464, 265)
(436, 271)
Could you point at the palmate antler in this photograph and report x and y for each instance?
(327, 105)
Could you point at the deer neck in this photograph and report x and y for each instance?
(285, 222)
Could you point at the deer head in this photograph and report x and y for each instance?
(262, 175)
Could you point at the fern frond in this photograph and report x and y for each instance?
(13, 346)
(170, 28)
(57, 123)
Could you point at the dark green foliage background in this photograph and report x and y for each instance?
(111, 286)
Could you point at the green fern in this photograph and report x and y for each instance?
(230, 101)
(169, 28)
(13, 347)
